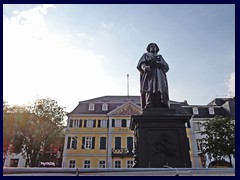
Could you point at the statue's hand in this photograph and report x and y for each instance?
(146, 68)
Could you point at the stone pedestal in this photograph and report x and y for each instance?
(160, 139)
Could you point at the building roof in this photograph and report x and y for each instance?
(112, 101)
(222, 106)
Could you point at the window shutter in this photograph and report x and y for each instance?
(130, 143)
(94, 123)
(99, 123)
(108, 123)
(102, 142)
(71, 123)
(117, 142)
(85, 123)
(68, 142)
(93, 142)
(113, 122)
(75, 142)
(80, 123)
(83, 142)
(124, 123)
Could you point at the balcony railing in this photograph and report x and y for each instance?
(123, 152)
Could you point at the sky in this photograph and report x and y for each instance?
(75, 52)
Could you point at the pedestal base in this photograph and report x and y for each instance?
(160, 139)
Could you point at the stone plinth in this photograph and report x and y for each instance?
(161, 139)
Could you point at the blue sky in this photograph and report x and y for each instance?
(76, 52)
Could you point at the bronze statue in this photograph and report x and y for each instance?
(153, 79)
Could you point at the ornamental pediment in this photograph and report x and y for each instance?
(127, 109)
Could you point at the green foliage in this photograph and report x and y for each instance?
(219, 137)
(49, 108)
(11, 117)
(32, 129)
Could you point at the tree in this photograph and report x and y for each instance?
(37, 128)
(219, 137)
(11, 115)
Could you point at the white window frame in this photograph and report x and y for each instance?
(89, 123)
(211, 110)
(91, 107)
(129, 163)
(102, 164)
(103, 123)
(118, 123)
(195, 110)
(86, 164)
(71, 163)
(88, 142)
(76, 123)
(104, 107)
(128, 122)
(117, 164)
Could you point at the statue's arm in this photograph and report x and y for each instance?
(161, 63)
(142, 66)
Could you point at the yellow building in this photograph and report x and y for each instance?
(98, 134)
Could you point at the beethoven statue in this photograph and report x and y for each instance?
(153, 79)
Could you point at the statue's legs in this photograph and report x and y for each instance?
(143, 99)
(158, 100)
(148, 100)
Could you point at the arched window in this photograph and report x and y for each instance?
(104, 107)
(91, 107)
(195, 110)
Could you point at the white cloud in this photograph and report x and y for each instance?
(85, 39)
(39, 63)
(107, 26)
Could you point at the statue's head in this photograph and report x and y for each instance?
(152, 45)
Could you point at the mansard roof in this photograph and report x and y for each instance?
(112, 101)
(224, 106)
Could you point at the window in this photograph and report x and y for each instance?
(91, 107)
(195, 110)
(104, 107)
(117, 164)
(128, 123)
(211, 110)
(130, 144)
(72, 142)
(129, 164)
(118, 123)
(75, 123)
(103, 143)
(102, 123)
(87, 164)
(102, 164)
(14, 162)
(199, 145)
(88, 142)
(117, 142)
(90, 123)
(72, 164)
(196, 126)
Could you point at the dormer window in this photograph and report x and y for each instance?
(211, 110)
(195, 110)
(91, 107)
(104, 107)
